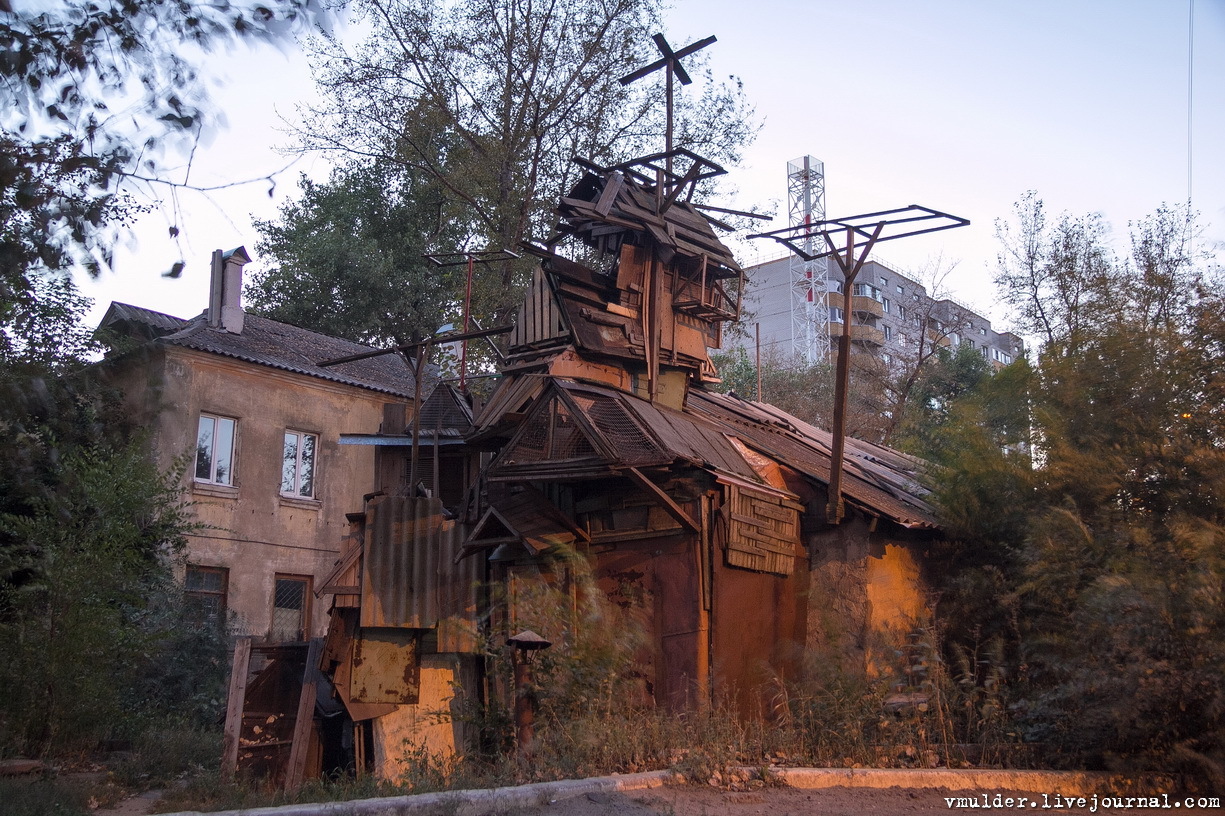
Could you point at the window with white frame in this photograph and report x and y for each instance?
(866, 290)
(215, 449)
(298, 464)
(835, 314)
(885, 305)
(888, 332)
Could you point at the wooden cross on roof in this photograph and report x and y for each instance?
(671, 63)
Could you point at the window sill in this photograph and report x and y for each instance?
(210, 489)
(300, 503)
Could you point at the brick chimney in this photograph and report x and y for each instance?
(225, 290)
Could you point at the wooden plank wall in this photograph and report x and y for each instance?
(540, 319)
(762, 530)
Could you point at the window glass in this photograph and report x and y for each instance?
(204, 449)
(206, 589)
(298, 464)
(306, 480)
(290, 608)
(289, 463)
(215, 450)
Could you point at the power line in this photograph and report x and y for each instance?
(1190, 93)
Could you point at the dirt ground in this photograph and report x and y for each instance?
(696, 800)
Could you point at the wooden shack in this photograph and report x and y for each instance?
(604, 440)
(712, 505)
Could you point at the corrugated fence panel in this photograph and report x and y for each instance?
(410, 578)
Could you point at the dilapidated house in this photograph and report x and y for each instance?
(604, 439)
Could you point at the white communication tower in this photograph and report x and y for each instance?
(809, 279)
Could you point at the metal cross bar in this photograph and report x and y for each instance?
(445, 259)
(459, 258)
(861, 233)
(442, 338)
(902, 222)
(671, 63)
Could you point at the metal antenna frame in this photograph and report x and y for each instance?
(445, 259)
(862, 233)
(862, 227)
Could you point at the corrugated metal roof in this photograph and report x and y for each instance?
(290, 348)
(876, 478)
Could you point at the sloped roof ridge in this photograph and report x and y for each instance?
(287, 347)
(140, 311)
(880, 470)
(158, 322)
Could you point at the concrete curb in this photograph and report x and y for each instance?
(1064, 783)
(478, 802)
(465, 802)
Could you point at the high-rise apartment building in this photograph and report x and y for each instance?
(892, 316)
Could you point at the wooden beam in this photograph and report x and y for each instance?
(673, 509)
(234, 707)
(296, 767)
(611, 187)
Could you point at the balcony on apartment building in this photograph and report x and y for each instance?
(867, 301)
(864, 331)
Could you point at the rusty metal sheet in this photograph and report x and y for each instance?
(385, 667)
(411, 574)
(883, 480)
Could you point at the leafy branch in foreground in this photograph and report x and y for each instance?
(65, 151)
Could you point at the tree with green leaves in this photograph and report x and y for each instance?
(1111, 538)
(349, 257)
(96, 638)
(930, 392)
(494, 98)
(804, 390)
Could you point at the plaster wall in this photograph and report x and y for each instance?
(867, 594)
(251, 530)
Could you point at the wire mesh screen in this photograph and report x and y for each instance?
(623, 434)
(440, 411)
(289, 609)
(552, 435)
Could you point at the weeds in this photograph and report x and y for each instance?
(44, 797)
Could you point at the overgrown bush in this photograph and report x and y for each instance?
(95, 632)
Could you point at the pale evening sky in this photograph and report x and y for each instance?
(958, 105)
